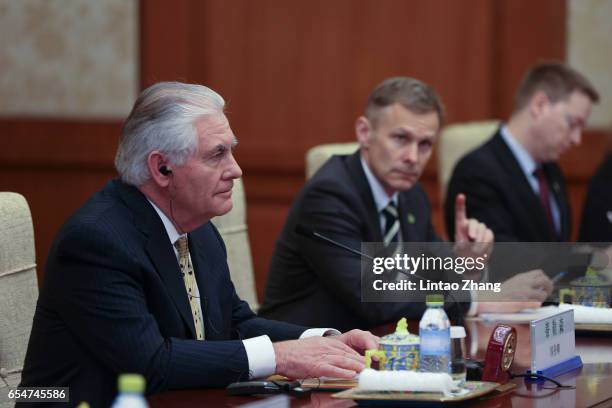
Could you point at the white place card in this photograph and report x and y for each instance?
(553, 340)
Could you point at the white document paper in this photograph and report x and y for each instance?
(582, 314)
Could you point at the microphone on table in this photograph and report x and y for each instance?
(312, 234)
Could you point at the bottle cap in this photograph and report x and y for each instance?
(434, 300)
(131, 383)
(457, 332)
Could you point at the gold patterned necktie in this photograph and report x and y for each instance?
(190, 284)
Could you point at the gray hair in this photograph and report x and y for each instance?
(412, 94)
(163, 118)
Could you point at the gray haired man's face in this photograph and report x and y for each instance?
(202, 186)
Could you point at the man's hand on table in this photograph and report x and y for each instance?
(335, 356)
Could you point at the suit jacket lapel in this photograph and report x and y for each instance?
(407, 218)
(353, 163)
(159, 249)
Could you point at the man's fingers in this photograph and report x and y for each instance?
(531, 305)
(536, 295)
(476, 231)
(471, 230)
(355, 357)
(489, 236)
(328, 370)
(536, 272)
(460, 216)
(315, 357)
(537, 279)
(518, 306)
(359, 340)
(340, 348)
(345, 362)
(485, 235)
(544, 283)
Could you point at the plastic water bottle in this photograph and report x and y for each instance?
(131, 390)
(434, 331)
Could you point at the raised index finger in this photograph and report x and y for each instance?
(460, 215)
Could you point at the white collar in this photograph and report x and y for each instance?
(381, 198)
(525, 160)
(173, 234)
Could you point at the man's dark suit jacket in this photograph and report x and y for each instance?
(113, 301)
(596, 225)
(499, 194)
(314, 283)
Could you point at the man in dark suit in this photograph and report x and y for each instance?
(512, 182)
(370, 196)
(137, 279)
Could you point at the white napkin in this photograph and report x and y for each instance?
(372, 380)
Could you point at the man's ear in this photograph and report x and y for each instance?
(363, 131)
(155, 160)
(538, 103)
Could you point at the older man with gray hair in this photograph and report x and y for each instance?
(137, 279)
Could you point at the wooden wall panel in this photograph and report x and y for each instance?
(526, 33)
(56, 165)
(295, 74)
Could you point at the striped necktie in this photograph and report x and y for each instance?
(190, 285)
(391, 234)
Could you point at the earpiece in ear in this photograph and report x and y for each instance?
(165, 170)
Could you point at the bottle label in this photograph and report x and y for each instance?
(435, 342)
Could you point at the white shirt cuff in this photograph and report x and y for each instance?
(473, 310)
(260, 353)
(320, 333)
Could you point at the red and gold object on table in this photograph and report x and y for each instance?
(500, 354)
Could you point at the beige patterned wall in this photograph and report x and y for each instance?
(68, 58)
(590, 51)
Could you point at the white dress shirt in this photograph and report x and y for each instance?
(381, 198)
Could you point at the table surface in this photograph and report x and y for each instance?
(593, 382)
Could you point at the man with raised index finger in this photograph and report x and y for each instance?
(372, 195)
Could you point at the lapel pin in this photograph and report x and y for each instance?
(411, 219)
